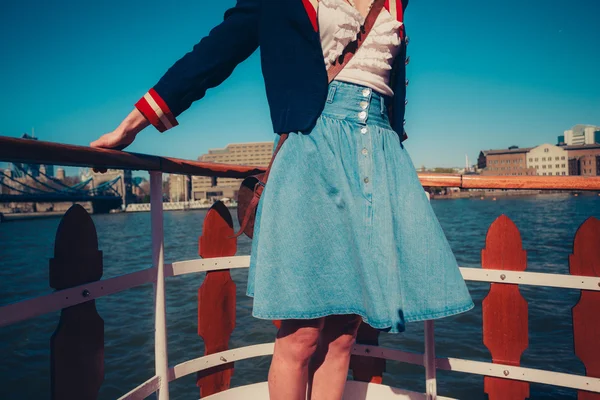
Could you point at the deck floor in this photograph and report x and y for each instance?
(354, 391)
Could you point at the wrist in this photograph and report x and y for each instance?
(134, 123)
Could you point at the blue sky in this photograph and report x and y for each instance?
(482, 75)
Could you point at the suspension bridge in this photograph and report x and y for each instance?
(47, 189)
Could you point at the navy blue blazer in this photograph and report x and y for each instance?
(292, 65)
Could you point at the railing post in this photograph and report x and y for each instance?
(429, 361)
(367, 369)
(505, 319)
(77, 345)
(161, 361)
(216, 298)
(429, 356)
(585, 261)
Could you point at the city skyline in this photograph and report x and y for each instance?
(474, 84)
(473, 163)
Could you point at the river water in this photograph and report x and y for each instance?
(547, 224)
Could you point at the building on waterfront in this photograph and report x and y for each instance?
(511, 161)
(584, 159)
(548, 159)
(180, 187)
(254, 154)
(580, 135)
(582, 142)
(545, 159)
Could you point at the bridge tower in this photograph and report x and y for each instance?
(124, 186)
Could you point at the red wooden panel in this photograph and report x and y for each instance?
(505, 319)
(585, 261)
(367, 369)
(216, 298)
(77, 345)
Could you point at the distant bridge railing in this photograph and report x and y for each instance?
(77, 360)
(43, 188)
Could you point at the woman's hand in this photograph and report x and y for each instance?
(125, 133)
(116, 140)
(123, 136)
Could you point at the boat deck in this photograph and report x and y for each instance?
(354, 391)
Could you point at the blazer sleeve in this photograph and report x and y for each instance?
(209, 63)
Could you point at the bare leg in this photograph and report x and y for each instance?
(295, 344)
(328, 367)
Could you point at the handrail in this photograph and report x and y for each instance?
(34, 151)
(39, 152)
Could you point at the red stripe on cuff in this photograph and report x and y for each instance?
(164, 107)
(145, 108)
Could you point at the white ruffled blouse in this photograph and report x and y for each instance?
(339, 24)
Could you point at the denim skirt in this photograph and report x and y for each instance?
(344, 225)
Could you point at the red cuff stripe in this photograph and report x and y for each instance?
(143, 107)
(164, 108)
(156, 111)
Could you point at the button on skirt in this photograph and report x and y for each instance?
(344, 225)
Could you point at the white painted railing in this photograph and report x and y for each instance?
(27, 309)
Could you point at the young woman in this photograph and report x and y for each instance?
(344, 231)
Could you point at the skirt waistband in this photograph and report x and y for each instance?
(356, 103)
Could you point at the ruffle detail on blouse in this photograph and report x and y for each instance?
(348, 26)
(377, 49)
(387, 32)
(373, 60)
